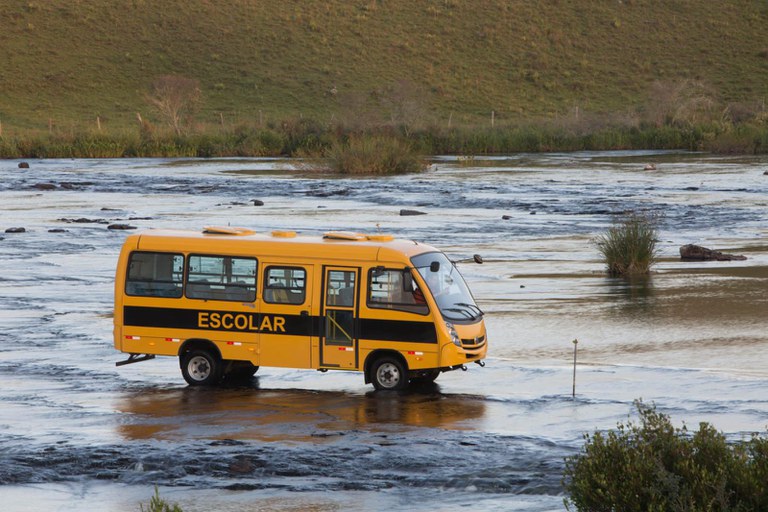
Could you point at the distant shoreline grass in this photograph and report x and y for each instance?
(307, 137)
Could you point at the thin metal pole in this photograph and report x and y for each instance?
(575, 349)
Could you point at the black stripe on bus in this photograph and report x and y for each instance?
(294, 325)
(214, 320)
(397, 330)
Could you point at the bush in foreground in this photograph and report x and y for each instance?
(656, 467)
(157, 504)
(629, 246)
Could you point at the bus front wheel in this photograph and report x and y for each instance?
(388, 373)
(200, 368)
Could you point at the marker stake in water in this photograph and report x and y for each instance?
(575, 349)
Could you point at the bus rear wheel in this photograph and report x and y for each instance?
(387, 373)
(200, 368)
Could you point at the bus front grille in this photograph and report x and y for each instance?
(473, 342)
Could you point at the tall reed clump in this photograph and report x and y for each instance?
(373, 155)
(655, 466)
(629, 246)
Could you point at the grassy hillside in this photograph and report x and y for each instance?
(69, 61)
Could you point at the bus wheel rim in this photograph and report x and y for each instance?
(388, 375)
(199, 368)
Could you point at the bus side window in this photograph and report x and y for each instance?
(285, 285)
(155, 274)
(221, 278)
(340, 288)
(395, 289)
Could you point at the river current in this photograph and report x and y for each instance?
(78, 433)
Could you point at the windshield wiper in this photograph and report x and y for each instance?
(471, 306)
(462, 311)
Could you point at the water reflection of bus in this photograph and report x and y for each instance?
(226, 301)
(240, 413)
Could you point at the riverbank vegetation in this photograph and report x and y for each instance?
(301, 137)
(656, 466)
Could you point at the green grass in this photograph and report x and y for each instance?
(443, 63)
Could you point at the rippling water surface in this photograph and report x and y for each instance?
(77, 433)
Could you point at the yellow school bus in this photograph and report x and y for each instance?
(227, 301)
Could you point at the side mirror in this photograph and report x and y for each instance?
(434, 266)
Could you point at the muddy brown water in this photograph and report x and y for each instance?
(77, 433)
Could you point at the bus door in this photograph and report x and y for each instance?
(285, 320)
(338, 334)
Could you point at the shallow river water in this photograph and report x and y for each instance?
(77, 433)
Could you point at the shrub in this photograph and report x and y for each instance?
(303, 134)
(743, 139)
(373, 154)
(656, 467)
(629, 246)
(9, 148)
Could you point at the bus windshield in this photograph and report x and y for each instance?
(447, 286)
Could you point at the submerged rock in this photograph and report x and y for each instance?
(257, 202)
(83, 220)
(406, 213)
(120, 226)
(44, 186)
(23, 165)
(692, 252)
(328, 193)
(16, 230)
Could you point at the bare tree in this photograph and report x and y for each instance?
(405, 102)
(681, 103)
(176, 99)
(359, 110)
(399, 104)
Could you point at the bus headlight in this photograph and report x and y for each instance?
(454, 335)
